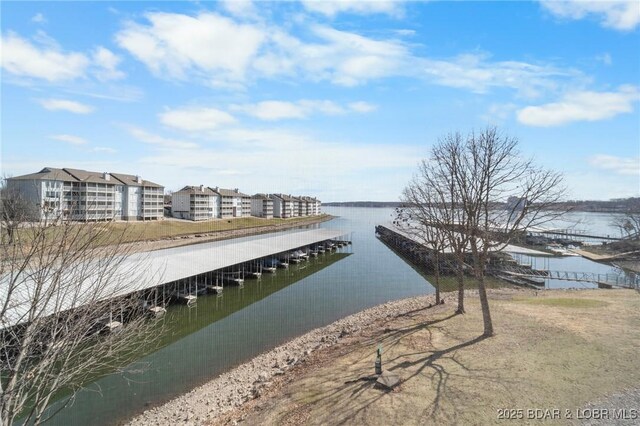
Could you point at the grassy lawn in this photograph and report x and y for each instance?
(449, 283)
(140, 231)
(567, 302)
(127, 232)
(553, 350)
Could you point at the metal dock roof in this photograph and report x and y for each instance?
(149, 269)
(183, 262)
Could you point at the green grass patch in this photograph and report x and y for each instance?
(450, 283)
(566, 302)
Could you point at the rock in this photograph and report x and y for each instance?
(263, 376)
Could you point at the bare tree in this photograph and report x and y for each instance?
(70, 311)
(15, 210)
(435, 216)
(629, 225)
(503, 195)
(480, 194)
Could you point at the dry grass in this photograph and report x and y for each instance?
(128, 232)
(552, 349)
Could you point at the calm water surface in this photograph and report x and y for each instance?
(225, 331)
(222, 332)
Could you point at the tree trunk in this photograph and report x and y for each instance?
(460, 277)
(484, 303)
(437, 272)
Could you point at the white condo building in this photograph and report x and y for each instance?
(74, 194)
(262, 206)
(195, 203)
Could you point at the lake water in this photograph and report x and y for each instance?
(221, 332)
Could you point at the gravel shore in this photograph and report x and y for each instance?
(251, 379)
(622, 408)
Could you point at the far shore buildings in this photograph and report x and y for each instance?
(81, 195)
(189, 203)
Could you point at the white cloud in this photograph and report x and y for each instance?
(477, 73)
(105, 150)
(22, 58)
(65, 105)
(281, 110)
(176, 46)
(208, 46)
(605, 58)
(498, 113)
(621, 15)
(39, 18)
(362, 107)
(333, 7)
(302, 159)
(626, 166)
(106, 63)
(273, 110)
(581, 106)
(73, 140)
(160, 141)
(240, 8)
(195, 119)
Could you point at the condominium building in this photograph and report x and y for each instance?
(262, 206)
(74, 194)
(295, 207)
(195, 203)
(232, 203)
(315, 206)
(305, 206)
(246, 205)
(142, 200)
(282, 205)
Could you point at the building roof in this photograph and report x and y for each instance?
(200, 190)
(132, 180)
(78, 175)
(48, 173)
(283, 197)
(229, 192)
(87, 176)
(262, 197)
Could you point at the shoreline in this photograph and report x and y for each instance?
(232, 395)
(267, 371)
(247, 381)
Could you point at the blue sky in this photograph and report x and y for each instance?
(335, 99)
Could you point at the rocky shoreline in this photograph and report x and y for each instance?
(248, 381)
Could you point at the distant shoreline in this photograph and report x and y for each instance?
(611, 206)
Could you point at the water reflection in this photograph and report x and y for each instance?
(198, 343)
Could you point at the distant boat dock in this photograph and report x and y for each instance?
(420, 253)
(184, 272)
